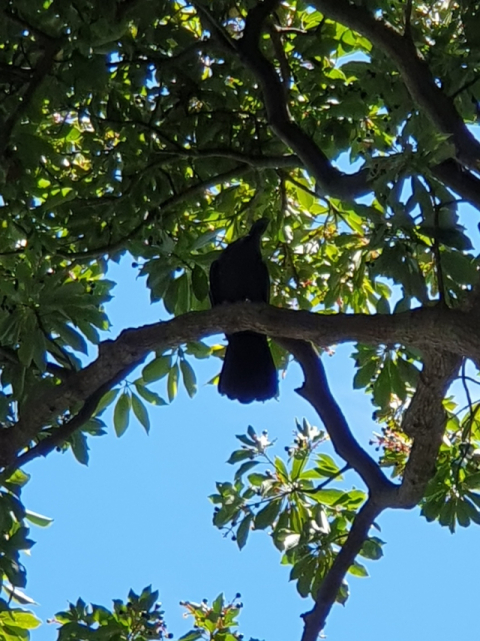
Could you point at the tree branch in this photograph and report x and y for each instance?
(425, 421)
(153, 214)
(414, 70)
(329, 179)
(432, 328)
(327, 593)
(63, 433)
(316, 391)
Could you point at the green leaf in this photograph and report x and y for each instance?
(172, 382)
(198, 349)
(244, 468)
(357, 569)
(106, 400)
(326, 466)
(473, 480)
(243, 531)
(193, 635)
(189, 378)
(257, 479)
(140, 412)
(268, 514)
(474, 497)
(39, 350)
(27, 340)
(372, 549)
(403, 305)
(71, 337)
(156, 369)
(18, 478)
(431, 509)
(447, 514)
(89, 331)
(38, 519)
(383, 305)
(365, 374)
(329, 497)
(472, 511)
(461, 268)
(19, 618)
(204, 239)
(382, 387)
(304, 581)
(80, 447)
(217, 605)
(281, 469)
(239, 455)
(463, 513)
(148, 395)
(396, 380)
(121, 414)
(199, 283)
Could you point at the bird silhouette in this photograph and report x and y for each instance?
(240, 274)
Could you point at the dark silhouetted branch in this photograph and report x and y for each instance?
(327, 593)
(316, 391)
(430, 328)
(414, 70)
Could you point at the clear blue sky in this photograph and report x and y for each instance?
(139, 514)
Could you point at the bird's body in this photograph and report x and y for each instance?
(248, 372)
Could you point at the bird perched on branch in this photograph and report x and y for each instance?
(248, 373)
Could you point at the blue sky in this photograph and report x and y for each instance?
(139, 514)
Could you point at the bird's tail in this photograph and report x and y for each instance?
(248, 372)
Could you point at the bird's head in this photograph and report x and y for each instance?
(259, 227)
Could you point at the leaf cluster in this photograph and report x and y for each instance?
(139, 618)
(308, 519)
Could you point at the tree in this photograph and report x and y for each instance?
(161, 130)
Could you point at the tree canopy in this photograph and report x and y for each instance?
(160, 130)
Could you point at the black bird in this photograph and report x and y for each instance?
(248, 373)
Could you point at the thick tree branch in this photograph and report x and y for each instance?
(329, 179)
(327, 593)
(425, 421)
(461, 181)
(63, 433)
(426, 329)
(316, 391)
(414, 70)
